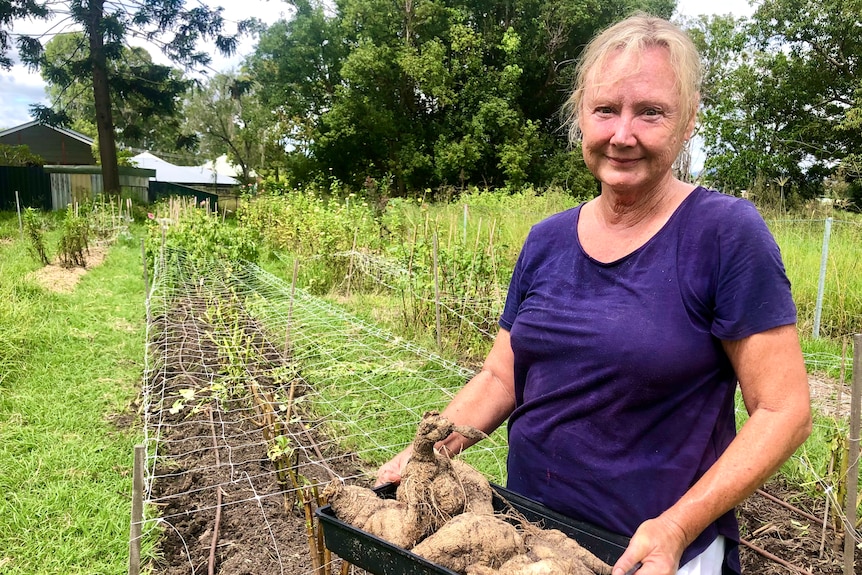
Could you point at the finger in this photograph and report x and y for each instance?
(387, 476)
(626, 567)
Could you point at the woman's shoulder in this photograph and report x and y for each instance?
(561, 222)
(708, 207)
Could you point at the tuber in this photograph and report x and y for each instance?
(549, 552)
(471, 539)
(442, 486)
(554, 544)
(388, 519)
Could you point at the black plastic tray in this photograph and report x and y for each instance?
(382, 558)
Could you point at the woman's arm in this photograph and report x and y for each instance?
(484, 403)
(774, 385)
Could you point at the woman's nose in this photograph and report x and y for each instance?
(623, 131)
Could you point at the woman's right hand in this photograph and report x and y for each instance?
(390, 472)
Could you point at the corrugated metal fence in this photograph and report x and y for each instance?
(32, 183)
(55, 187)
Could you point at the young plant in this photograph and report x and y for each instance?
(75, 239)
(34, 226)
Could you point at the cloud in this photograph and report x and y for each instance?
(18, 90)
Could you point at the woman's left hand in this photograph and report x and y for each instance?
(657, 545)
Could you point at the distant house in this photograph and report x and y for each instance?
(72, 174)
(201, 182)
(57, 146)
(194, 176)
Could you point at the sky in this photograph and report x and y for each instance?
(20, 88)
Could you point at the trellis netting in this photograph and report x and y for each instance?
(255, 390)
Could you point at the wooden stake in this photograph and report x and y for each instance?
(309, 531)
(219, 493)
(146, 275)
(290, 310)
(437, 296)
(20, 221)
(853, 471)
(350, 265)
(137, 511)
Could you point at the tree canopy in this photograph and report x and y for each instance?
(783, 93)
(427, 94)
(423, 93)
(179, 31)
(145, 97)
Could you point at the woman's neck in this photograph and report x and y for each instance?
(622, 210)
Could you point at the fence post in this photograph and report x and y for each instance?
(465, 225)
(824, 255)
(437, 295)
(20, 221)
(853, 472)
(146, 271)
(137, 511)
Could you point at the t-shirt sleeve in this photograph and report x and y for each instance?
(752, 291)
(514, 297)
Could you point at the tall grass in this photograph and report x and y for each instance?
(801, 242)
(72, 362)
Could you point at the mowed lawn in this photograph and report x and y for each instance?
(71, 368)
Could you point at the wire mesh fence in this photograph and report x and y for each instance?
(256, 394)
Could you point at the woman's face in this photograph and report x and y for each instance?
(632, 123)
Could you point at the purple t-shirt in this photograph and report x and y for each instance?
(624, 393)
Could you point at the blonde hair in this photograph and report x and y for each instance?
(633, 36)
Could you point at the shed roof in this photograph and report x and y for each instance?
(168, 172)
(54, 144)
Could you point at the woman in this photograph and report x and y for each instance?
(628, 323)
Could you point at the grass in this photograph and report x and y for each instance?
(73, 363)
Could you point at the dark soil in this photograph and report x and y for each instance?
(224, 506)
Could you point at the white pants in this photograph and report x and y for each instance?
(707, 563)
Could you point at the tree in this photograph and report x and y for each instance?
(431, 92)
(230, 118)
(19, 156)
(783, 105)
(10, 11)
(167, 22)
(144, 96)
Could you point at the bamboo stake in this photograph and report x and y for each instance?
(322, 557)
(842, 373)
(437, 295)
(826, 511)
(788, 506)
(20, 220)
(853, 472)
(219, 493)
(350, 265)
(146, 275)
(309, 531)
(137, 511)
(290, 310)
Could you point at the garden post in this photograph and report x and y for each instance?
(20, 221)
(853, 472)
(146, 276)
(824, 254)
(137, 511)
(437, 295)
(465, 224)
